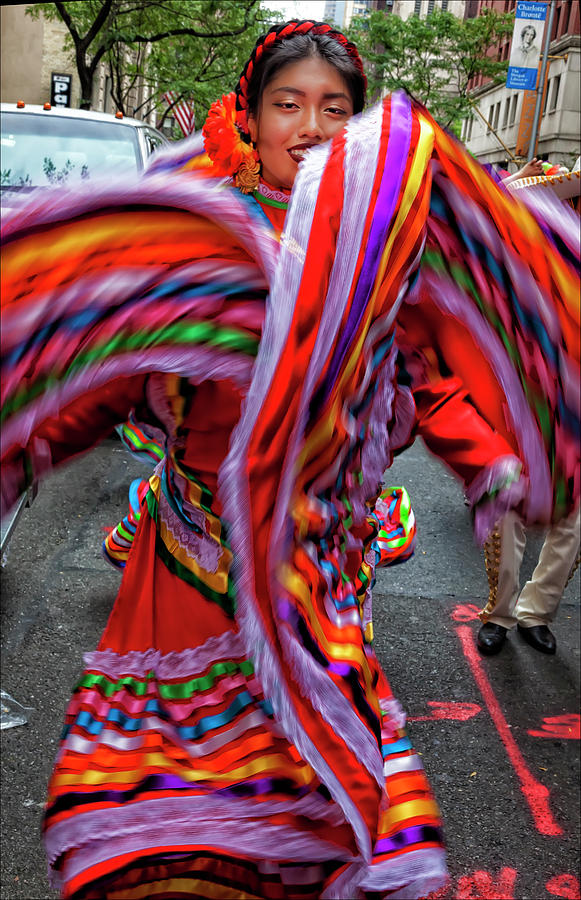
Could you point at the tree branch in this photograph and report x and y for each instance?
(99, 53)
(177, 32)
(116, 82)
(95, 28)
(128, 10)
(247, 8)
(153, 105)
(170, 107)
(63, 13)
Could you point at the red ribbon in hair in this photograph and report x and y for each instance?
(277, 34)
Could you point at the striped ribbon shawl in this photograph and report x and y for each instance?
(136, 278)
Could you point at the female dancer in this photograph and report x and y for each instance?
(234, 735)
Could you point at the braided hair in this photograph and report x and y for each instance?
(288, 43)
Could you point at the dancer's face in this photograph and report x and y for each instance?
(305, 104)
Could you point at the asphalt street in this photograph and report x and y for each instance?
(499, 736)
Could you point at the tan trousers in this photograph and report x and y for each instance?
(539, 599)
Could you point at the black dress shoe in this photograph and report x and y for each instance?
(490, 638)
(540, 637)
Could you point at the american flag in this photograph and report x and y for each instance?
(183, 112)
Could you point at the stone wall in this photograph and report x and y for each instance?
(56, 59)
(31, 50)
(560, 123)
(21, 44)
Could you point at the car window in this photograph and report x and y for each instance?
(40, 150)
(153, 140)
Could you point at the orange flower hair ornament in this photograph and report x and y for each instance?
(230, 154)
(228, 118)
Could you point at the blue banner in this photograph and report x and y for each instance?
(525, 52)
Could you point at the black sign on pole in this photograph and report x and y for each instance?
(60, 89)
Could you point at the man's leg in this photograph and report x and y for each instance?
(504, 553)
(540, 597)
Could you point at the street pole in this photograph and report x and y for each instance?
(540, 83)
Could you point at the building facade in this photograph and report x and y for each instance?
(33, 51)
(341, 12)
(560, 124)
(406, 8)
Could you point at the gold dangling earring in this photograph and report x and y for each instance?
(247, 176)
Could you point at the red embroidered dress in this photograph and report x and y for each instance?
(233, 734)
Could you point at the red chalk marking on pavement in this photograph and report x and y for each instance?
(535, 793)
(564, 886)
(441, 894)
(567, 726)
(465, 612)
(481, 886)
(454, 709)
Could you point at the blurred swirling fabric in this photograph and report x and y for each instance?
(179, 279)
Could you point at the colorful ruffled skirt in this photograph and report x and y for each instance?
(173, 777)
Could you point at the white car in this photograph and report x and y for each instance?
(44, 146)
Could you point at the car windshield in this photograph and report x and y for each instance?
(43, 149)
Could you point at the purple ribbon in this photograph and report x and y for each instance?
(416, 834)
(389, 190)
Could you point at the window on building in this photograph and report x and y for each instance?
(546, 96)
(417, 7)
(556, 22)
(496, 116)
(555, 92)
(490, 119)
(569, 20)
(513, 106)
(506, 112)
(108, 102)
(430, 6)
(444, 5)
